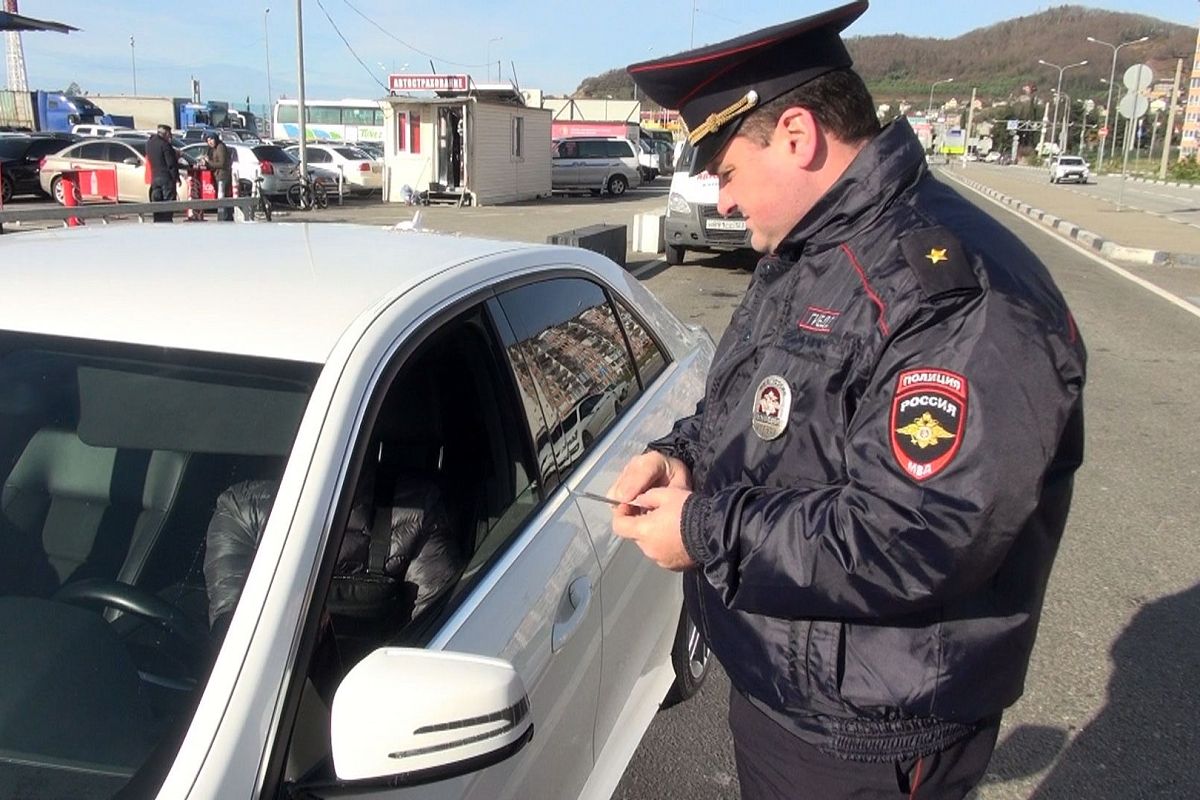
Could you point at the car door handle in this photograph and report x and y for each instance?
(571, 612)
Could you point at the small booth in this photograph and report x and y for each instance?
(449, 140)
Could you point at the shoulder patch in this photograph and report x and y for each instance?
(938, 260)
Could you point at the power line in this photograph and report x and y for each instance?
(336, 30)
(391, 35)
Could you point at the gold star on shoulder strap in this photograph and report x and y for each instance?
(937, 255)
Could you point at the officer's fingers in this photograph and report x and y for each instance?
(640, 474)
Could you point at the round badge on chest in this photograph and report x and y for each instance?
(772, 405)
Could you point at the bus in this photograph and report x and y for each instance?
(330, 120)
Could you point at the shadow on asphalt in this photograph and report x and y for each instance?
(1144, 741)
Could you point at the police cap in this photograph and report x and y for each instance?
(714, 87)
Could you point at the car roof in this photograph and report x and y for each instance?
(290, 292)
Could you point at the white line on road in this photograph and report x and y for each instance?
(1124, 273)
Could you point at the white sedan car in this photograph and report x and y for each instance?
(358, 171)
(276, 525)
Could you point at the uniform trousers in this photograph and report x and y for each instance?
(774, 764)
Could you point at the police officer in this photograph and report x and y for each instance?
(867, 503)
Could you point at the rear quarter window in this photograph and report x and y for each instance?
(273, 153)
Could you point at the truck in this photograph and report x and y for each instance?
(46, 111)
(143, 112)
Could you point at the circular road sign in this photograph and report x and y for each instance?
(1138, 77)
(1133, 105)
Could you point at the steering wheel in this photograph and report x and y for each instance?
(101, 593)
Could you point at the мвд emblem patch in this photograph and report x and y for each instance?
(929, 413)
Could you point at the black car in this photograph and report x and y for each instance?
(20, 159)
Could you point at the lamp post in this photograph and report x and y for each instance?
(489, 58)
(133, 61)
(929, 108)
(1058, 91)
(1108, 122)
(267, 46)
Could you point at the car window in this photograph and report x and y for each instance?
(315, 155)
(572, 346)
(352, 153)
(113, 459)
(94, 151)
(593, 148)
(118, 151)
(649, 357)
(271, 152)
(620, 149)
(567, 150)
(14, 147)
(446, 462)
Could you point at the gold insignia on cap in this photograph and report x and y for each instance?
(717, 120)
(936, 255)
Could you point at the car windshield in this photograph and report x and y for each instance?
(114, 457)
(1070, 161)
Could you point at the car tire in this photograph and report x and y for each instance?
(6, 191)
(56, 191)
(617, 185)
(675, 254)
(691, 660)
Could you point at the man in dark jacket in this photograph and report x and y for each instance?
(164, 170)
(868, 500)
(222, 173)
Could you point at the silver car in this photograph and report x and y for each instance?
(280, 527)
(595, 164)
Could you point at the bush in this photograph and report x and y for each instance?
(1185, 169)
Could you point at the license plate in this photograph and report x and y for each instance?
(725, 224)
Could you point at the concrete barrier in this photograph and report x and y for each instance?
(648, 230)
(246, 207)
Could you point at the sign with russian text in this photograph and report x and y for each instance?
(409, 82)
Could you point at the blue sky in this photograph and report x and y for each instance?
(554, 45)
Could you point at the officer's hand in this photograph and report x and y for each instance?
(655, 526)
(648, 471)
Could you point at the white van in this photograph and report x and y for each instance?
(103, 131)
(693, 222)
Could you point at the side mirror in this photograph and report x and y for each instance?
(412, 716)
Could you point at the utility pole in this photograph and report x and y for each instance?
(300, 89)
(133, 60)
(970, 123)
(1162, 168)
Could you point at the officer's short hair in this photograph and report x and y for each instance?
(839, 100)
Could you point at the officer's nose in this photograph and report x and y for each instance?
(726, 205)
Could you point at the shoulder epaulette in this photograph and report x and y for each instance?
(939, 262)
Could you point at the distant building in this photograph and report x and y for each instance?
(1191, 118)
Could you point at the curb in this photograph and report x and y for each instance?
(1069, 230)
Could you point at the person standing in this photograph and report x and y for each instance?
(868, 501)
(222, 172)
(164, 170)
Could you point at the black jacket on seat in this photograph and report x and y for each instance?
(422, 556)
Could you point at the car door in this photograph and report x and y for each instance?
(564, 166)
(131, 178)
(595, 163)
(460, 417)
(579, 356)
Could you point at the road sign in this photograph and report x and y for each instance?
(1138, 77)
(1012, 124)
(1104, 132)
(1133, 105)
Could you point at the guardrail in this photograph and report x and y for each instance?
(246, 207)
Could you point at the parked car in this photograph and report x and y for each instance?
(144, 135)
(126, 157)
(188, 463)
(1068, 168)
(101, 131)
(279, 170)
(359, 172)
(693, 221)
(20, 160)
(373, 149)
(596, 164)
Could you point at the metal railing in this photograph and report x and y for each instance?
(246, 208)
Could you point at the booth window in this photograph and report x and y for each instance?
(414, 132)
(518, 136)
(401, 132)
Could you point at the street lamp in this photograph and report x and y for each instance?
(267, 46)
(489, 58)
(1058, 91)
(929, 109)
(133, 60)
(1111, 76)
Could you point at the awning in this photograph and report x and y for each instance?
(20, 22)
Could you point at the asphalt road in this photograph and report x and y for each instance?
(1111, 705)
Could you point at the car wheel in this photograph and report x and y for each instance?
(6, 191)
(691, 660)
(675, 255)
(56, 191)
(617, 185)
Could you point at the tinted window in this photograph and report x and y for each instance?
(13, 148)
(593, 148)
(315, 155)
(45, 147)
(273, 153)
(571, 344)
(567, 150)
(352, 153)
(650, 359)
(96, 151)
(619, 150)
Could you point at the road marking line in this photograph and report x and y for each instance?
(1174, 300)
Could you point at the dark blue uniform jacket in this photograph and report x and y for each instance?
(883, 464)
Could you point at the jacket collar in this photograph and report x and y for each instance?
(887, 166)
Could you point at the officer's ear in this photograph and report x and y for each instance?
(799, 131)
